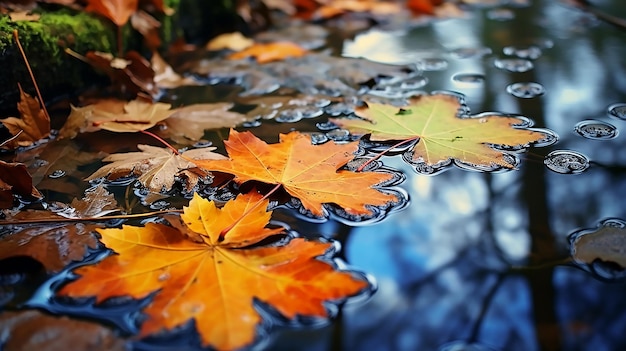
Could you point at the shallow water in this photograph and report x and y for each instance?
(469, 262)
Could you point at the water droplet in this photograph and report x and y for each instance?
(566, 162)
(432, 64)
(526, 90)
(290, 116)
(318, 138)
(464, 53)
(413, 83)
(531, 52)
(40, 163)
(596, 130)
(340, 108)
(57, 174)
(469, 78)
(202, 144)
(514, 64)
(164, 276)
(500, 14)
(251, 124)
(326, 126)
(618, 110)
(338, 135)
(159, 205)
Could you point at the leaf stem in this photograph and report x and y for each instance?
(247, 212)
(88, 219)
(30, 71)
(161, 140)
(362, 167)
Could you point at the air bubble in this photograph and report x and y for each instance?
(202, 144)
(596, 130)
(514, 64)
(566, 162)
(501, 14)
(326, 126)
(289, 117)
(318, 138)
(340, 108)
(465, 53)
(530, 52)
(526, 90)
(338, 135)
(469, 78)
(432, 64)
(39, 163)
(251, 124)
(57, 174)
(618, 110)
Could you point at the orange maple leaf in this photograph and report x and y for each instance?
(213, 278)
(307, 172)
(118, 11)
(268, 52)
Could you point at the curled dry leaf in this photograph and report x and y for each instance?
(155, 167)
(15, 180)
(34, 330)
(307, 172)
(187, 124)
(34, 123)
(268, 52)
(215, 281)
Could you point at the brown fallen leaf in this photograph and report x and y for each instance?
(131, 74)
(15, 180)
(81, 119)
(187, 124)
(118, 11)
(34, 330)
(34, 123)
(156, 168)
(24, 16)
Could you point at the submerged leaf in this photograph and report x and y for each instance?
(308, 172)
(215, 280)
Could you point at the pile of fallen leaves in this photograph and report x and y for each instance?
(218, 260)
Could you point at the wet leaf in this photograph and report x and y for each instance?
(34, 330)
(34, 122)
(81, 119)
(15, 180)
(156, 168)
(307, 172)
(607, 244)
(96, 202)
(118, 11)
(232, 41)
(442, 135)
(216, 280)
(268, 52)
(187, 124)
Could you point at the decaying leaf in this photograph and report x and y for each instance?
(34, 123)
(216, 280)
(187, 124)
(232, 41)
(442, 135)
(155, 167)
(312, 74)
(307, 172)
(15, 180)
(34, 330)
(268, 52)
